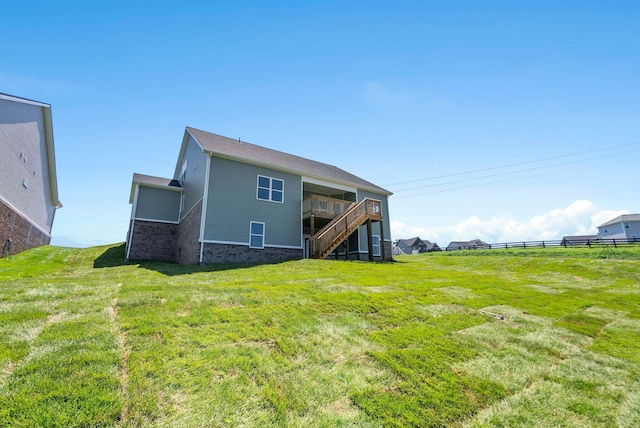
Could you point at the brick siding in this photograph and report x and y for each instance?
(23, 234)
(153, 241)
(228, 253)
(188, 238)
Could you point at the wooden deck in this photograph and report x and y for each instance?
(323, 207)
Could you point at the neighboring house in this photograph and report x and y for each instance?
(414, 246)
(28, 182)
(231, 201)
(467, 245)
(578, 240)
(626, 226)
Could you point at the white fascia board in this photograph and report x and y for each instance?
(51, 156)
(155, 186)
(23, 100)
(325, 183)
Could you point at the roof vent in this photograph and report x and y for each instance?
(174, 183)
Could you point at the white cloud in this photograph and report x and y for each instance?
(580, 218)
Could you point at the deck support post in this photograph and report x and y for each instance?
(370, 239)
(382, 241)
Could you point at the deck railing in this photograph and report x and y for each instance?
(323, 206)
(330, 236)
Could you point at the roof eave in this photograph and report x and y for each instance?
(51, 157)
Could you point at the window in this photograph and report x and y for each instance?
(626, 225)
(181, 203)
(183, 172)
(375, 239)
(270, 189)
(256, 235)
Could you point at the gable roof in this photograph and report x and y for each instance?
(48, 134)
(621, 218)
(251, 153)
(152, 181)
(409, 242)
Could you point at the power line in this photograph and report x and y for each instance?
(507, 180)
(512, 172)
(510, 165)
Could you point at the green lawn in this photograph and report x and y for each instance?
(87, 340)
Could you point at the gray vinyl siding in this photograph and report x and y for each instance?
(193, 186)
(22, 131)
(362, 231)
(232, 205)
(157, 204)
(618, 231)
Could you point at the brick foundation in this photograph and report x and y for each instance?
(228, 253)
(188, 238)
(24, 235)
(153, 241)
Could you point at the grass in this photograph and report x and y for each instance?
(88, 340)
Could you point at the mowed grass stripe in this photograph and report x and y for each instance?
(87, 340)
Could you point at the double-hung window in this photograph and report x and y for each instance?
(270, 189)
(256, 235)
(375, 241)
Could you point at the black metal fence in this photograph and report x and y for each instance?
(599, 243)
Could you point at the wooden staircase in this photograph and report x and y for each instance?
(340, 228)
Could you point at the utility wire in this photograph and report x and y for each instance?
(512, 172)
(510, 165)
(504, 181)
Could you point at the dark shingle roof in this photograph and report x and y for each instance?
(225, 146)
(621, 218)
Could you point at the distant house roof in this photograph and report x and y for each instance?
(410, 242)
(235, 149)
(579, 239)
(477, 243)
(48, 134)
(152, 181)
(621, 218)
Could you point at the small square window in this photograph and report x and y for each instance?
(626, 225)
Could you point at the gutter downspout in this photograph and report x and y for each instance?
(132, 221)
(205, 199)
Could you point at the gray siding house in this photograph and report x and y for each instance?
(231, 201)
(624, 227)
(467, 245)
(28, 181)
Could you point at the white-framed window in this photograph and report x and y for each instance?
(375, 240)
(270, 189)
(181, 203)
(256, 234)
(183, 172)
(626, 225)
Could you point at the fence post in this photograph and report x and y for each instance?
(589, 242)
(614, 244)
(524, 245)
(543, 245)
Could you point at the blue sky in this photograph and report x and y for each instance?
(391, 91)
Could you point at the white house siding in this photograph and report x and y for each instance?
(157, 204)
(362, 231)
(23, 156)
(193, 185)
(232, 204)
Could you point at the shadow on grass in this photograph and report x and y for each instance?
(114, 257)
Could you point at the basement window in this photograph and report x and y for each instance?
(256, 234)
(375, 240)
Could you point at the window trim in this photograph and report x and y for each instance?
(373, 245)
(251, 234)
(183, 173)
(270, 189)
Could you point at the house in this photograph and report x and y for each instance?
(623, 227)
(230, 201)
(414, 246)
(28, 181)
(467, 245)
(578, 240)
